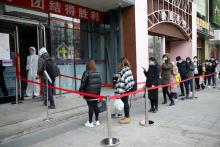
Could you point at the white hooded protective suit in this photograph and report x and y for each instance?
(32, 65)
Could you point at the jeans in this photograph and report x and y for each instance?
(186, 85)
(93, 107)
(190, 82)
(126, 106)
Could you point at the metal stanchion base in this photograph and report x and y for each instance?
(116, 115)
(150, 123)
(110, 142)
(48, 119)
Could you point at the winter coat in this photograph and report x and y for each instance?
(152, 76)
(125, 82)
(214, 65)
(166, 70)
(175, 72)
(90, 83)
(190, 70)
(42, 64)
(197, 68)
(182, 68)
(208, 69)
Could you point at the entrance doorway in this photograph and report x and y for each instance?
(21, 37)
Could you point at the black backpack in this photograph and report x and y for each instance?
(51, 68)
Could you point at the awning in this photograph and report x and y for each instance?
(205, 35)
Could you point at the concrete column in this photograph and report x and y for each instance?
(163, 45)
(141, 25)
(194, 30)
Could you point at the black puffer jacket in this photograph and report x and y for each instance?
(90, 83)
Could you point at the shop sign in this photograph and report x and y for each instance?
(59, 7)
(216, 12)
(202, 24)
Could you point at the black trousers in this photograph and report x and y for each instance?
(93, 108)
(213, 80)
(197, 86)
(167, 93)
(3, 86)
(153, 97)
(126, 106)
(50, 92)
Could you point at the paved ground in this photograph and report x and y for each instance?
(190, 123)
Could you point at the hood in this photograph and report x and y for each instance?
(168, 57)
(42, 51)
(33, 48)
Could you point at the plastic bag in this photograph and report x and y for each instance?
(118, 104)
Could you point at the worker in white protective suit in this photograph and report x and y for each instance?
(32, 90)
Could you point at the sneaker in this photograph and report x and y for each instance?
(127, 120)
(97, 123)
(190, 93)
(181, 95)
(89, 125)
(176, 100)
(171, 104)
(209, 86)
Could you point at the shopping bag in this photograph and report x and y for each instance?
(102, 106)
(178, 77)
(201, 79)
(118, 104)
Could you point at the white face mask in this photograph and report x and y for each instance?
(195, 60)
(151, 62)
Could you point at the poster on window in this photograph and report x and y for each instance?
(4, 47)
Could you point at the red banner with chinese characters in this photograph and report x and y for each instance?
(59, 7)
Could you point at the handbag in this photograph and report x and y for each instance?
(102, 106)
(178, 78)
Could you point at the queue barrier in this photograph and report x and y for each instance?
(111, 141)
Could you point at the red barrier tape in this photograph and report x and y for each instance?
(103, 84)
(156, 87)
(100, 97)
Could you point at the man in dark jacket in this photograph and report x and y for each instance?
(214, 65)
(182, 65)
(43, 57)
(2, 80)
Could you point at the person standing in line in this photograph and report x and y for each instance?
(2, 80)
(190, 73)
(166, 78)
(209, 71)
(43, 62)
(197, 72)
(125, 84)
(91, 83)
(33, 90)
(174, 88)
(152, 79)
(181, 64)
(213, 77)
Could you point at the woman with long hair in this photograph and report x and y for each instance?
(125, 83)
(91, 83)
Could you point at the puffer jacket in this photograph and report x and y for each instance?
(90, 83)
(166, 71)
(125, 81)
(182, 68)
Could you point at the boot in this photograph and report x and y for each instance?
(164, 102)
(126, 120)
(171, 104)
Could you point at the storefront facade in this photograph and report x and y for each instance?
(71, 33)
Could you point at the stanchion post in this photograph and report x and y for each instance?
(16, 84)
(47, 119)
(146, 122)
(110, 141)
(59, 85)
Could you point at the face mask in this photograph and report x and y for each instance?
(151, 62)
(195, 60)
(31, 52)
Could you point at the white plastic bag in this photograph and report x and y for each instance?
(118, 104)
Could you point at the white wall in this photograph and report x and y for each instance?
(141, 38)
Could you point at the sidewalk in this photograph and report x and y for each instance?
(17, 120)
(190, 123)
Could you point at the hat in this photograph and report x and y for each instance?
(42, 51)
